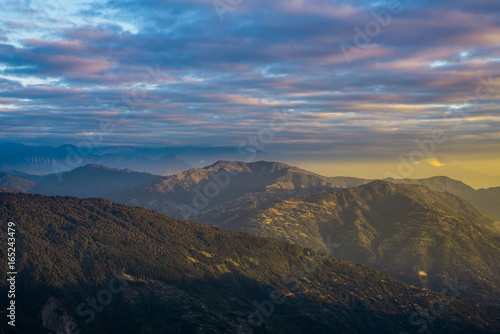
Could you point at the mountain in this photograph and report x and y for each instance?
(14, 182)
(27, 176)
(42, 160)
(8, 190)
(202, 190)
(488, 200)
(223, 185)
(48, 160)
(471, 177)
(440, 183)
(94, 266)
(410, 232)
(349, 182)
(90, 181)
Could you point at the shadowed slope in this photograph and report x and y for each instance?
(187, 277)
(411, 232)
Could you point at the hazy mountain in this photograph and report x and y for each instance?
(411, 232)
(90, 181)
(14, 182)
(50, 160)
(488, 200)
(223, 185)
(471, 177)
(188, 188)
(8, 190)
(348, 182)
(100, 267)
(440, 183)
(23, 175)
(41, 160)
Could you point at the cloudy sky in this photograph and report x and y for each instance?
(345, 86)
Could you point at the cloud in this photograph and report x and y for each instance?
(433, 162)
(179, 71)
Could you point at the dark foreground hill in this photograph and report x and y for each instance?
(410, 232)
(94, 266)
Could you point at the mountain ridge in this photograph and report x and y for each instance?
(189, 277)
(91, 180)
(14, 182)
(437, 233)
(222, 185)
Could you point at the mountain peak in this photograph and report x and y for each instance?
(229, 166)
(90, 180)
(97, 166)
(272, 164)
(260, 163)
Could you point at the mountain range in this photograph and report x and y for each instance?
(42, 160)
(201, 191)
(94, 266)
(410, 232)
(223, 185)
(90, 181)
(187, 194)
(15, 183)
(488, 200)
(417, 231)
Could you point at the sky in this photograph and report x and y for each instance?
(362, 88)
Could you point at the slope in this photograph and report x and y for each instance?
(411, 232)
(223, 185)
(488, 200)
(14, 182)
(102, 267)
(90, 181)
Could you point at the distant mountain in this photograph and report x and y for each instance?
(41, 160)
(487, 200)
(440, 183)
(223, 185)
(410, 232)
(199, 191)
(49, 160)
(471, 177)
(23, 175)
(349, 182)
(14, 182)
(8, 190)
(90, 181)
(185, 195)
(93, 266)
